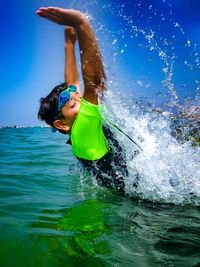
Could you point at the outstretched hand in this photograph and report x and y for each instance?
(61, 16)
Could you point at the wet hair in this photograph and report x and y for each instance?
(48, 110)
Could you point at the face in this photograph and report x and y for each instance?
(71, 108)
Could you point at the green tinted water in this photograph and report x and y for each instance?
(53, 214)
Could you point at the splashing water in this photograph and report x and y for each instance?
(168, 169)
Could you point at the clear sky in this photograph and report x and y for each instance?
(140, 39)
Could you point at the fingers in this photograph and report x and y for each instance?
(68, 28)
(61, 16)
(46, 10)
(57, 9)
(52, 10)
(49, 14)
(70, 34)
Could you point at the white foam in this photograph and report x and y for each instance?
(168, 171)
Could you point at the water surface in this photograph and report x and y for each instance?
(52, 213)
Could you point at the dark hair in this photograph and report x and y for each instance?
(48, 110)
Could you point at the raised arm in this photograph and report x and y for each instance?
(71, 68)
(91, 60)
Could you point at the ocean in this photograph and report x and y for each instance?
(53, 213)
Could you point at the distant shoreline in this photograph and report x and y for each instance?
(25, 126)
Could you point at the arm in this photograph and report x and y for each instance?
(71, 69)
(91, 61)
(92, 65)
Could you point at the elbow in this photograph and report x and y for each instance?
(98, 84)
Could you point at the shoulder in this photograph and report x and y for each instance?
(91, 94)
(88, 103)
(89, 108)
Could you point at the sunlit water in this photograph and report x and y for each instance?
(168, 169)
(53, 213)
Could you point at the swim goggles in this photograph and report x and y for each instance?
(65, 95)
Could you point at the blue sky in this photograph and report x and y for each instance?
(32, 55)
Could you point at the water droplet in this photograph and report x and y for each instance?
(114, 41)
(139, 82)
(188, 43)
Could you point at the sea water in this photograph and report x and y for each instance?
(53, 213)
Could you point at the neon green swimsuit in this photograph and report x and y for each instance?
(87, 137)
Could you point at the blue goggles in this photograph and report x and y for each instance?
(65, 95)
